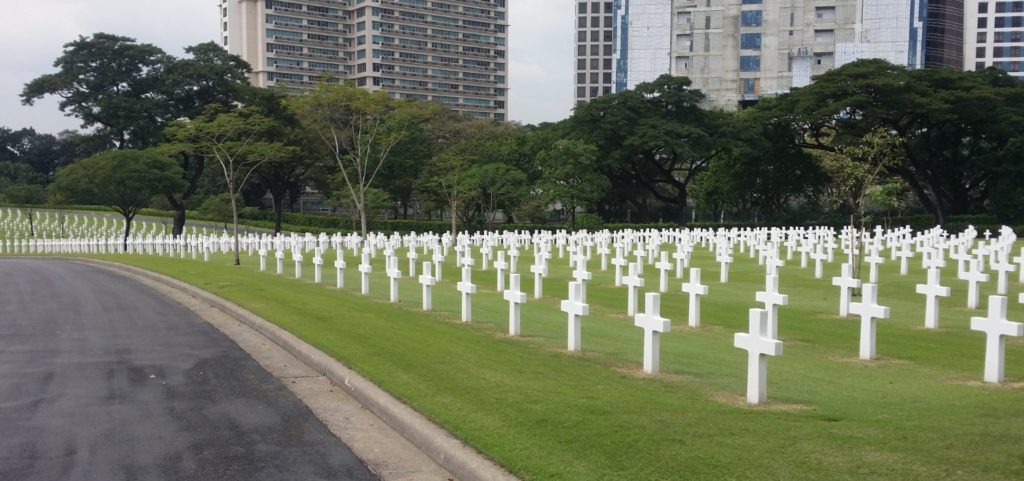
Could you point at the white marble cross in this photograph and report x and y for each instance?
(365, 268)
(576, 309)
(318, 265)
(539, 270)
(603, 250)
(339, 268)
(772, 299)
(904, 254)
(724, 259)
(413, 256)
(1019, 260)
(516, 298)
(263, 259)
(279, 255)
(996, 327)
(653, 325)
(818, 257)
(467, 288)
(394, 274)
(974, 277)
(619, 261)
(846, 283)
(1003, 268)
(500, 265)
(695, 289)
(932, 291)
(298, 264)
(682, 258)
(873, 260)
(663, 266)
(869, 312)
(581, 274)
(633, 284)
(757, 345)
(427, 281)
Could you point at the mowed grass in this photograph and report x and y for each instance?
(918, 412)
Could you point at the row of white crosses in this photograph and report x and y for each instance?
(632, 250)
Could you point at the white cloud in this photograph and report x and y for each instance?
(540, 48)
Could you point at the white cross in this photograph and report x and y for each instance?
(818, 257)
(413, 257)
(298, 264)
(869, 311)
(1003, 268)
(873, 261)
(467, 288)
(576, 309)
(663, 266)
(365, 269)
(427, 281)
(619, 262)
(695, 289)
(772, 299)
(603, 250)
(932, 291)
(653, 325)
(500, 265)
(438, 259)
(682, 258)
(633, 284)
(1019, 260)
(467, 258)
(639, 253)
(974, 277)
(394, 274)
(513, 260)
(279, 255)
(933, 259)
(773, 263)
(724, 259)
(318, 265)
(846, 283)
(516, 298)
(539, 270)
(996, 327)
(757, 346)
(339, 268)
(263, 259)
(580, 274)
(904, 254)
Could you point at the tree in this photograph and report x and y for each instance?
(447, 176)
(569, 175)
(359, 128)
(27, 196)
(498, 185)
(238, 141)
(655, 137)
(112, 84)
(125, 180)
(956, 127)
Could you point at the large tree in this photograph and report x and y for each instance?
(238, 140)
(955, 127)
(569, 176)
(125, 180)
(359, 129)
(656, 136)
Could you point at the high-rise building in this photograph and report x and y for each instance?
(891, 30)
(619, 44)
(944, 34)
(737, 51)
(994, 36)
(450, 51)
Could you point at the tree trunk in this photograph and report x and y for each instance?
(681, 199)
(452, 208)
(31, 223)
(179, 220)
(277, 197)
(127, 230)
(234, 220)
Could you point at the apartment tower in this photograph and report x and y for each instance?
(994, 36)
(451, 51)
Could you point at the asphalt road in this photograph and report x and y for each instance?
(105, 379)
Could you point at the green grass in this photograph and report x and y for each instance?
(918, 412)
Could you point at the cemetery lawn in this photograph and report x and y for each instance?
(917, 412)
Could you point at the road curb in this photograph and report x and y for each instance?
(451, 454)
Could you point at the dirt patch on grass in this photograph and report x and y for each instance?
(740, 401)
(638, 372)
(876, 362)
(1008, 385)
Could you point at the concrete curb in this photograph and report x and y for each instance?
(451, 454)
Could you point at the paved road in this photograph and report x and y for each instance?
(104, 379)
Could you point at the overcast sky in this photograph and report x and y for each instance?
(540, 48)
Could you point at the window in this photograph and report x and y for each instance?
(751, 2)
(750, 18)
(750, 41)
(980, 52)
(983, 7)
(982, 37)
(825, 36)
(581, 36)
(751, 86)
(979, 66)
(583, 8)
(983, 22)
(750, 63)
(825, 14)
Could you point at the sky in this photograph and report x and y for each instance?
(540, 49)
